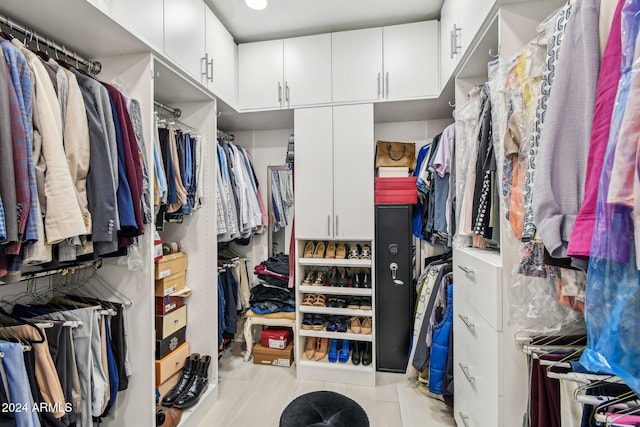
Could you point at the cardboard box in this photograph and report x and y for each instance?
(165, 305)
(171, 363)
(167, 325)
(170, 343)
(275, 337)
(393, 172)
(169, 384)
(171, 284)
(171, 264)
(271, 356)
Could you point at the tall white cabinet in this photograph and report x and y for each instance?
(490, 370)
(334, 172)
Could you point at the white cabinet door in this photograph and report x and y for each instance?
(222, 60)
(260, 81)
(314, 179)
(472, 15)
(128, 13)
(307, 70)
(184, 35)
(449, 55)
(356, 58)
(410, 60)
(353, 155)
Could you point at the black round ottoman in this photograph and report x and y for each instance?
(323, 408)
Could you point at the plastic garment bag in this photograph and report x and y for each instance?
(613, 286)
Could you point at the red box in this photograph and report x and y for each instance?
(165, 305)
(275, 338)
(403, 184)
(396, 197)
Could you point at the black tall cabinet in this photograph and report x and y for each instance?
(395, 292)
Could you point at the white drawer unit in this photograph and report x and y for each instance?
(478, 280)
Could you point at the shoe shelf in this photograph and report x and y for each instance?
(336, 311)
(335, 262)
(334, 290)
(323, 370)
(325, 364)
(336, 335)
(192, 416)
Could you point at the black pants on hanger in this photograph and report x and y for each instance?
(59, 339)
(119, 346)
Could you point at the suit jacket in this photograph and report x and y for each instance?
(7, 176)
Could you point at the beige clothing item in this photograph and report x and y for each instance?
(76, 393)
(607, 9)
(181, 192)
(46, 373)
(104, 360)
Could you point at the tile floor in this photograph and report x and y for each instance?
(254, 395)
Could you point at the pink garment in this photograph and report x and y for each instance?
(580, 240)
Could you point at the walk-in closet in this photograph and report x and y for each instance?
(346, 213)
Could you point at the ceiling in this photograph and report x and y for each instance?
(292, 18)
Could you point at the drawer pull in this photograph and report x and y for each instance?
(465, 371)
(468, 324)
(466, 270)
(464, 419)
(176, 321)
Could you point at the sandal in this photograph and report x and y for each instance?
(366, 252)
(308, 250)
(341, 251)
(308, 299)
(365, 304)
(309, 279)
(331, 324)
(319, 300)
(319, 251)
(354, 252)
(332, 302)
(317, 322)
(307, 321)
(319, 279)
(341, 324)
(331, 250)
(341, 302)
(354, 303)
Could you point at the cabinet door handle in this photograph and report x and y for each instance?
(329, 225)
(457, 38)
(386, 84)
(279, 93)
(468, 324)
(203, 69)
(464, 419)
(451, 43)
(336, 225)
(286, 93)
(465, 371)
(379, 89)
(466, 270)
(211, 69)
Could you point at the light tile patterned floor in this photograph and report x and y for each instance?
(252, 395)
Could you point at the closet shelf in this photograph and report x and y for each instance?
(336, 335)
(210, 392)
(333, 262)
(336, 311)
(334, 290)
(325, 364)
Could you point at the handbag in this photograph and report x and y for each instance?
(395, 154)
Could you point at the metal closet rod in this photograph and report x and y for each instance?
(94, 67)
(175, 112)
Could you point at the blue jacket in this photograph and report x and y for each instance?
(440, 348)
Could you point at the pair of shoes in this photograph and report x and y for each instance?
(307, 321)
(359, 252)
(320, 279)
(316, 300)
(339, 355)
(310, 278)
(322, 346)
(317, 322)
(361, 279)
(337, 302)
(337, 324)
(361, 353)
(336, 250)
(312, 250)
(194, 380)
(360, 326)
(310, 345)
(359, 303)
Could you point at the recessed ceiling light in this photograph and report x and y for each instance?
(256, 4)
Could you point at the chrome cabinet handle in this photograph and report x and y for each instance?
(464, 419)
(286, 96)
(379, 89)
(210, 77)
(328, 225)
(466, 270)
(468, 324)
(279, 93)
(204, 61)
(386, 84)
(336, 225)
(465, 371)
(451, 43)
(457, 38)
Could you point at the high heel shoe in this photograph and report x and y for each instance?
(319, 251)
(308, 281)
(365, 280)
(356, 327)
(342, 279)
(319, 279)
(331, 250)
(333, 351)
(310, 347)
(356, 279)
(343, 357)
(356, 354)
(321, 349)
(309, 248)
(333, 276)
(366, 326)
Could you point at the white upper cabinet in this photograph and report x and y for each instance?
(285, 73)
(260, 75)
(307, 70)
(128, 14)
(184, 35)
(356, 62)
(222, 60)
(411, 60)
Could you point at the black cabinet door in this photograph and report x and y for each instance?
(395, 294)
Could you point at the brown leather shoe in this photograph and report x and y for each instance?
(168, 417)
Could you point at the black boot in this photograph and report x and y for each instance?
(190, 397)
(356, 354)
(366, 354)
(188, 373)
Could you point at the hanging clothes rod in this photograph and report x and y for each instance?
(63, 271)
(163, 108)
(224, 135)
(94, 67)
